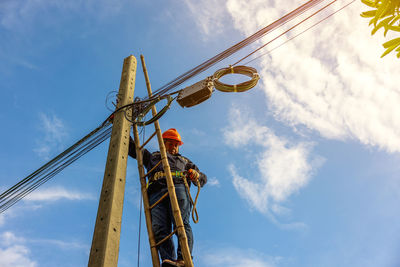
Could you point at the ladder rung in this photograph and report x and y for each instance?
(148, 140)
(166, 238)
(158, 201)
(152, 169)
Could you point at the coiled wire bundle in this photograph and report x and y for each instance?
(240, 87)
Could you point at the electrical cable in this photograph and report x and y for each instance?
(241, 87)
(141, 205)
(101, 133)
(41, 181)
(157, 116)
(309, 28)
(51, 162)
(280, 35)
(108, 97)
(53, 167)
(233, 49)
(140, 229)
(12, 195)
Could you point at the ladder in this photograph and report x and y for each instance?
(179, 227)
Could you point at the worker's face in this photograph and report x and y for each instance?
(172, 146)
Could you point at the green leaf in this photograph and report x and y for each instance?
(388, 27)
(386, 31)
(368, 3)
(372, 21)
(388, 51)
(393, 42)
(368, 14)
(396, 18)
(381, 24)
(394, 28)
(381, 11)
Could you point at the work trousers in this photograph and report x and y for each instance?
(163, 220)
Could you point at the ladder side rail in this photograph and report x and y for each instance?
(182, 238)
(146, 203)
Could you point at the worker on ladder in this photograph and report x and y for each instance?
(161, 215)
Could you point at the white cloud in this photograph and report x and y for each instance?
(209, 17)
(283, 168)
(17, 210)
(213, 182)
(62, 244)
(9, 214)
(233, 257)
(8, 238)
(57, 193)
(330, 79)
(13, 252)
(54, 134)
(36, 200)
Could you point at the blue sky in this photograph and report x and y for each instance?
(303, 169)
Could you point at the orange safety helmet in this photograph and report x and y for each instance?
(172, 134)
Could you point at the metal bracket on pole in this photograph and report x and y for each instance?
(105, 244)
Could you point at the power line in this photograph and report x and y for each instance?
(309, 28)
(54, 166)
(280, 35)
(233, 49)
(103, 132)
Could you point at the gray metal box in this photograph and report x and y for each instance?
(196, 93)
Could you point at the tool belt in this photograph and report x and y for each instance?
(159, 175)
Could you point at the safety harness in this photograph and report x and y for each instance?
(183, 175)
(161, 174)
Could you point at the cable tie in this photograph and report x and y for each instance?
(231, 67)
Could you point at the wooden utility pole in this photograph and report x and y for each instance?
(105, 244)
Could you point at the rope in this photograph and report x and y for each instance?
(195, 215)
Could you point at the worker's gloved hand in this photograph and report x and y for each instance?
(193, 175)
